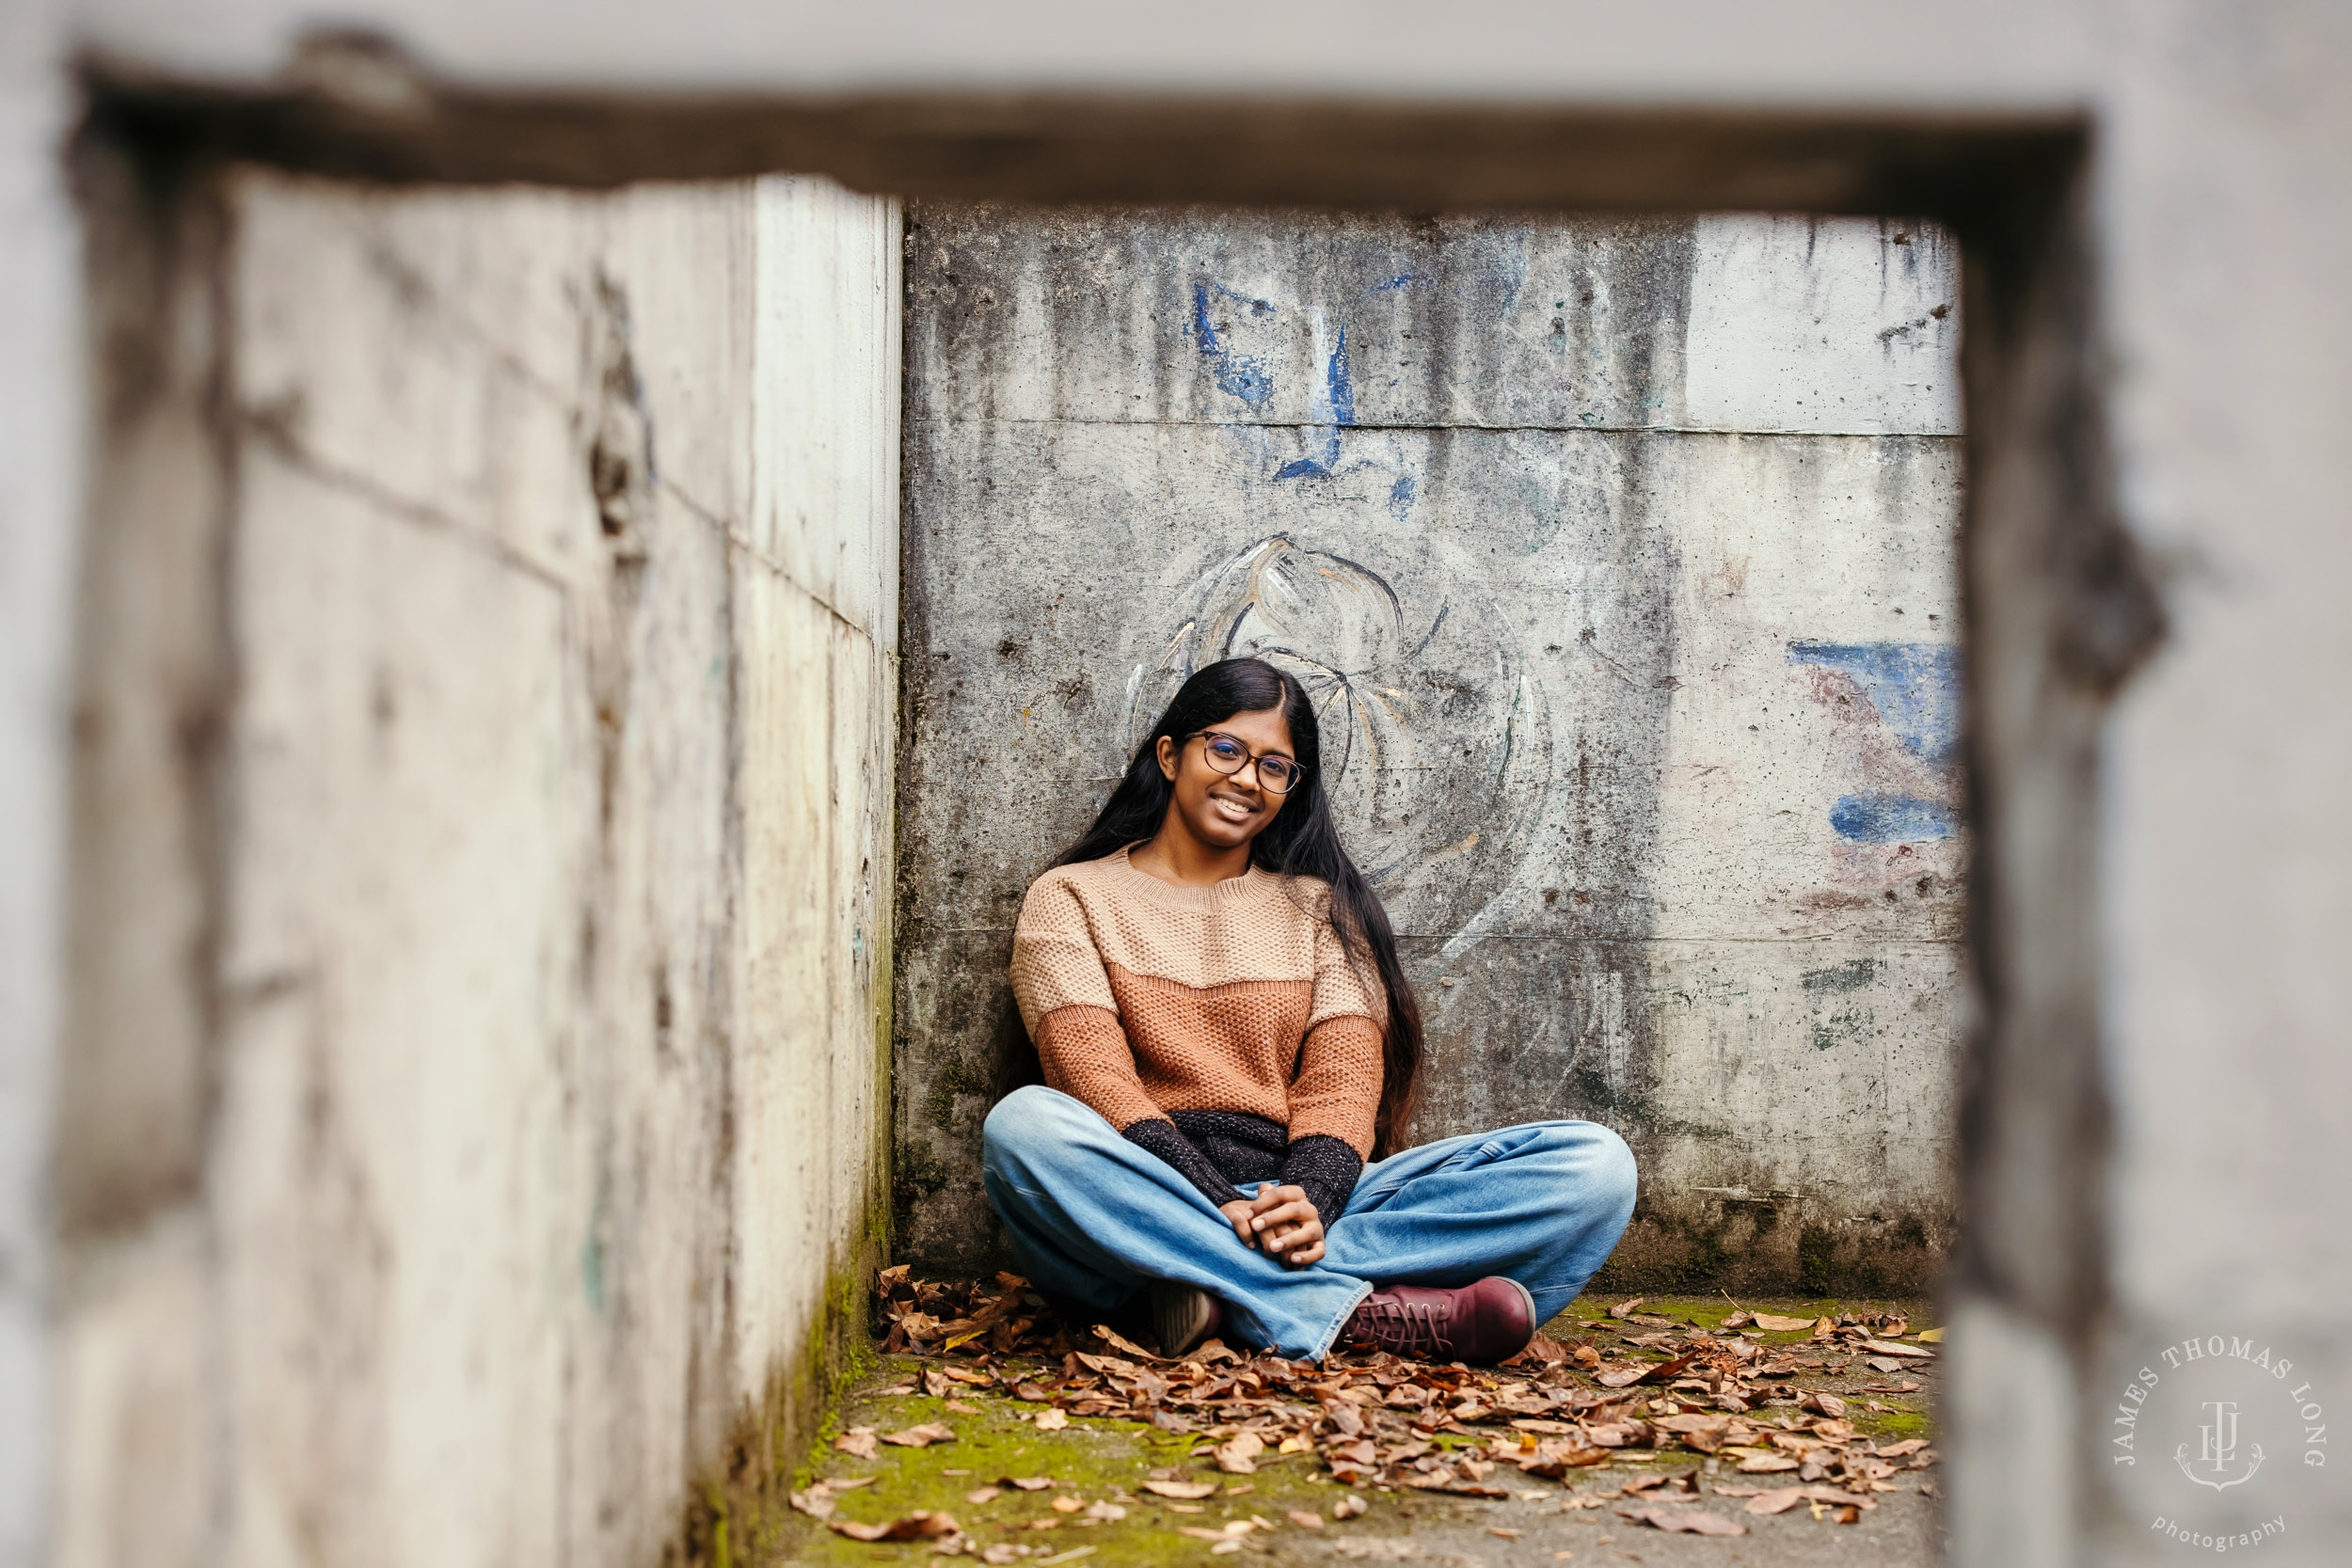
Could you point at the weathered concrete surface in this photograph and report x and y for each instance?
(476, 1109)
(40, 465)
(1621, 556)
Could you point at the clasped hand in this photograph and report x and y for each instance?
(1279, 1221)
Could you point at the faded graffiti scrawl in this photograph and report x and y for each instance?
(1913, 688)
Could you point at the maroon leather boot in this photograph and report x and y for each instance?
(1487, 1322)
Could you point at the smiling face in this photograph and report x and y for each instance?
(1219, 811)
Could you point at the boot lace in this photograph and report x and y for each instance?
(1406, 1327)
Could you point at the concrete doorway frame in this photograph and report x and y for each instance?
(2059, 608)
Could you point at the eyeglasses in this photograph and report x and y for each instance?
(1277, 773)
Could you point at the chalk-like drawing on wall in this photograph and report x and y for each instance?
(1437, 744)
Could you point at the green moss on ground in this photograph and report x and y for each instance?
(1107, 1461)
(1091, 1460)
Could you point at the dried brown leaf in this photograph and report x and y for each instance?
(1624, 1308)
(1890, 1347)
(1187, 1489)
(1627, 1377)
(1767, 1464)
(1121, 1344)
(1238, 1456)
(1686, 1521)
(922, 1525)
(1452, 1485)
(920, 1437)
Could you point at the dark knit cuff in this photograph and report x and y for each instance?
(1325, 1168)
(1155, 1135)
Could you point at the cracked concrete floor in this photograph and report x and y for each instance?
(1107, 1518)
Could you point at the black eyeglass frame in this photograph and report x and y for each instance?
(1298, 769)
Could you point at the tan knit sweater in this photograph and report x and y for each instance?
(1146, 999)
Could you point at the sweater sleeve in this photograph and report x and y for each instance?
(1164, 1139)
(1325, 1169)
(1335, 1092)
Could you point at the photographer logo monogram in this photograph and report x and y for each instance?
(2219, 1411)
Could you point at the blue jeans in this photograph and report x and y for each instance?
(1093, 1218)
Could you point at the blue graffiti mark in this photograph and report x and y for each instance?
(1891, 819)
(1338, 404)
(1401, 497)
(1257, 307)
(1401, 280)
(1914, 686)
(1237, 375)
(1336, 381)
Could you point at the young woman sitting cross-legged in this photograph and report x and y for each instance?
(1230, 1051)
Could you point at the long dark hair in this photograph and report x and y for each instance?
(1301, 841)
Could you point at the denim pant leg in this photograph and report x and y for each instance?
(1092, 1217)
(1543, 1203)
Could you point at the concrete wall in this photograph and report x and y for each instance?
(2218, 211)
(40, 447)
(1620, 555)
(471, 1125)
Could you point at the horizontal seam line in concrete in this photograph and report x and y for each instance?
(407, 509)
(433, 519)
(1954, 436)
(738, 539)
(519, 372)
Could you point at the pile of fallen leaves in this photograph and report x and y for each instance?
(966, 1317)
(1378, 1421)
